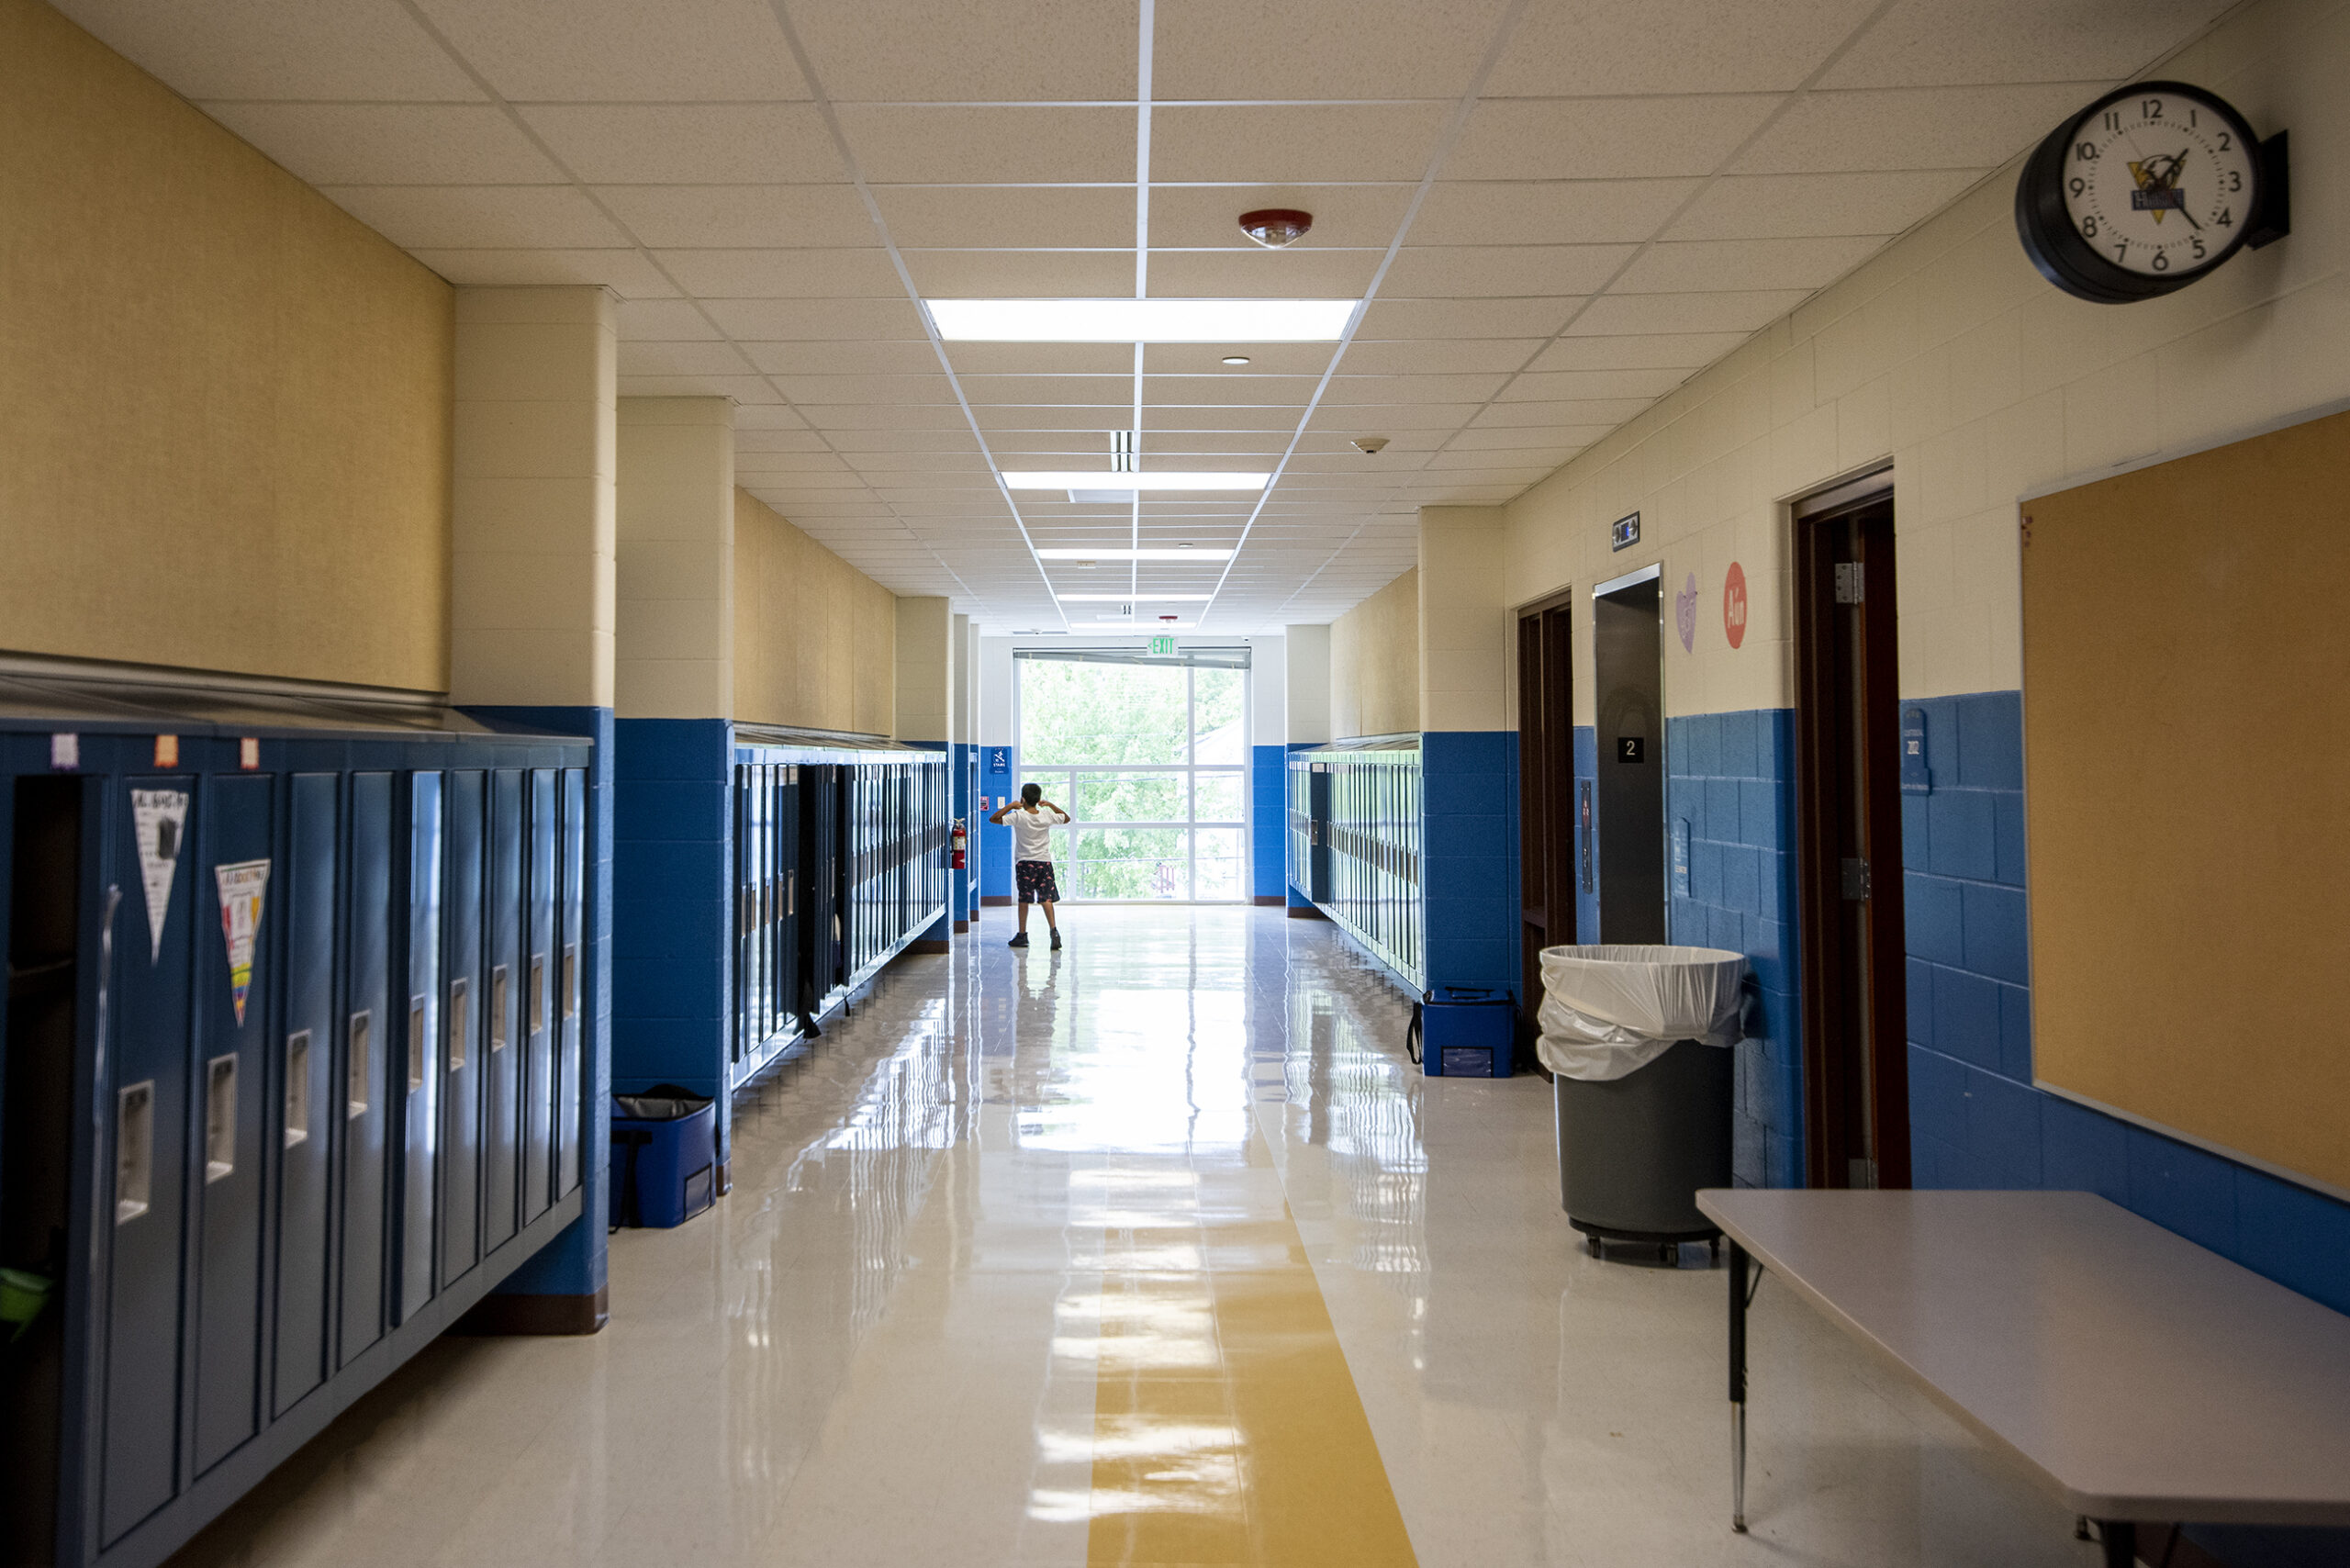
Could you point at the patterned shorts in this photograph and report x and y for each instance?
(1036, 880)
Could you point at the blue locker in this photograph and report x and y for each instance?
(461, 1012)
(235, 1030)
(538, 1029)
(419, 1097)
(367, 1067)
(154, 931)
(570, 1134)
(307, 1099)
(501, 1068)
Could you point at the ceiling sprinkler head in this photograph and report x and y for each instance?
(1170, 618)
(1273, 227)
(1371, 445)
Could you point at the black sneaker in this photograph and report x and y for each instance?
(1056, 938)
(1020, 939)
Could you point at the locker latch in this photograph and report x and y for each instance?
(1852, 582)
(1856, 880)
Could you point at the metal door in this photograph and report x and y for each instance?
(504, 984)
(368, 1068)
(307, 1098)
(539, 992)
(570, 973)
(420, 1035)
(460, 1030)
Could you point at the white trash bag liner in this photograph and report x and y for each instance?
(1609, 1010)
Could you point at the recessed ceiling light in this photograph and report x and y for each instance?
(1128, 484)
(1089, 557)
(1131, 597)
(1141, 320)
(1235, 359)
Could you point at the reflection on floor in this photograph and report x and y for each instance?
(1152, 1250)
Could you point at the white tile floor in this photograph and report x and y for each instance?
(881, 1347)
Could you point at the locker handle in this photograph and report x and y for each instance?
(538, 993)
(219, 1118)
(460, 1022)
(418, 1007)
(134, 1150)
(570, 980)
(297, 1087)
(358, 1079)
(498, 1009)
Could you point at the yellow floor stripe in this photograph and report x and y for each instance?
(1227, 1429)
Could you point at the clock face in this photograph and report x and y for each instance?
(2160, 181)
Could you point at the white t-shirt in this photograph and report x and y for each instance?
(1030, 831)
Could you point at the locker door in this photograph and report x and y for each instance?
(571, 1063)
(788, 924)
(419, 1079)
(307, 1099)
(462, 1004)
(153, 935)
(538, 994)
(743, 1031)
(763, 893)
(238, 987)
(368, 1070)
(502, 997)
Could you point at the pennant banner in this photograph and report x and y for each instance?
(242, 886)
(159, 820)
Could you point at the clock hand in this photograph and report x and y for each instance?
(2170, 182)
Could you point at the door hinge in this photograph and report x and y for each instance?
(1856, 879)
(1852, 582)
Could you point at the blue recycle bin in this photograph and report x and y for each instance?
(665, 1156)
(1466, 1031)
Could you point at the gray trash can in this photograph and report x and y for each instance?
(1637, 1039)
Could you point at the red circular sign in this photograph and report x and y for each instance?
(1734, 605)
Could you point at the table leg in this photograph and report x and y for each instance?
(2120, 1537)
(1738, 1268)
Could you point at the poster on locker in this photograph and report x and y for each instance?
(159, 822)
(241, 887)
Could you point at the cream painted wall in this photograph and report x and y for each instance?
(1305, 681)
(1465, 619)
(224, 403)
(674, 596)
(1375, 663)
(926, 668)
(1948, 355)
(815, 640)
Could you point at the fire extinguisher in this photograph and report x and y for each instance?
(955, 844)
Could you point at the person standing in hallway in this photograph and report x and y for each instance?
(1033, 821)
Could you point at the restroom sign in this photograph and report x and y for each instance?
(1734, 605)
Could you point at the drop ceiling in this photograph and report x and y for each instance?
(1558, 209)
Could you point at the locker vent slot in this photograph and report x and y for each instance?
(219, 1118)
(134, 1150)
(360, 1074)
(570, 980)
(297, 1087)
(416, 1044)
(538, 993)
(460, 1022)
(497, 1017)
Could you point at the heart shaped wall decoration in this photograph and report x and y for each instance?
(1685, 613)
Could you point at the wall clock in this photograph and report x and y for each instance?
(2147, 189)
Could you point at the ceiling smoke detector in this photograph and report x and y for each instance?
(1273, 227)
(1371, 445)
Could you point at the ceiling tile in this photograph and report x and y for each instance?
(1434, 271)
(1158, 417)
(391, 144)
(680, 359)
(1482, 438)
(278, 49)
(921, 145)
(1241, 390)
(697, 144)
(1948, 43)
(1564, 386)
(1911, 127)
(1306, 143)
(757, 438)
(1366, 49)
(1680, 351)
(667, 321)
(1787, 207)
(840, 358)
(1264, 359)
(1021, 275)
(479, 216)
(885, 416)
(1607, 411)
(1009, 217)
(1048, 390)
(1547, 212)
(1005, 50)
(780, 320)
(773, 418)
(784, 275)
(1690, 266)
(1382, 418)
(708, 217)
(1724, 312)
(1588, 139)
(1390, 316)
(582, 51)
(1041, 359)
(1423, 355)
(1097, 422)
(626, 273)
(1570, 48)
(898, 390)
(1262, 274)
(742, 389)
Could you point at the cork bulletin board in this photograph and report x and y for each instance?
(2186, 758)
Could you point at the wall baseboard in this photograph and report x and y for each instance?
(997, 900)
(1271, 900)
(537, 1315)
(1306, 912)
(930, 945)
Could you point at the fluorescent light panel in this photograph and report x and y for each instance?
(1141, 320)
(1135, 597)
(1123, 553)
(1129, 484)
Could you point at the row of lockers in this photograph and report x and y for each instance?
(1354, 846)
(837, 865)
(327, 1014)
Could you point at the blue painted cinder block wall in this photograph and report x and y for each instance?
(673, 851)
(1586, 763)
(1730, 778)
(1469, 857)
(1268, 780)
(1976, 1119)
(573, 1264)
(958, 889)
(995, 840)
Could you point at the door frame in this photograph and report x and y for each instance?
(1830, 1140)
(1546, 790)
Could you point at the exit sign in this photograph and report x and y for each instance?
(1162, 644)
